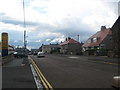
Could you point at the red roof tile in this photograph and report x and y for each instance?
(71, 41)
(101, 35)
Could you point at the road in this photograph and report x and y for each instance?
(76, 72)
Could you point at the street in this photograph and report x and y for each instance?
(76, 71)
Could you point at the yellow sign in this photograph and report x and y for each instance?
(4, 40)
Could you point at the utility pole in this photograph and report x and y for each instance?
(24, 27)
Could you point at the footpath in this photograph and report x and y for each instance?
(17, 75)
(0, 72)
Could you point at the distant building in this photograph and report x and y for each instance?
(70, 46)
(99, 43)
(116, 37)
(34, 51)
(11, 49)
(52, 48)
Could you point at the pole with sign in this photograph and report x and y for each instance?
(4, 44)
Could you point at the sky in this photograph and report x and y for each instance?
(52, 21)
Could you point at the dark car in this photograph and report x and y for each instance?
(20, 55)
(35, 53)
(30, 53)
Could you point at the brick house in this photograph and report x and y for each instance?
(49, 49)
(70, 46)
(115, 35)
(99, 43)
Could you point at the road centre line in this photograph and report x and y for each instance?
(40, 77)
(43, 79)
(49, 86)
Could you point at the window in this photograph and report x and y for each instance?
(89, 40)
(94, 39)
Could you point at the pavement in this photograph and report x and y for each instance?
(17, 74)
(0, 72)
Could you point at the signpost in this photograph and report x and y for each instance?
(4, 44)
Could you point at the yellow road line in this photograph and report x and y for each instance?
(43, 79)
(40, 77)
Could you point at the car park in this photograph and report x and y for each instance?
(40, 54)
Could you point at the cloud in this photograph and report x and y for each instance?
(48, 40)
(51, 21)
(38, 41)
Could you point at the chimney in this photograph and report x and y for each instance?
(66, 39)
(103, 28)
(69, 38)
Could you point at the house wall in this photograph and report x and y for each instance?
(71, 49)
(50, 49)
(46, 49)
(116, 39)
(107, 43)
(64, 49)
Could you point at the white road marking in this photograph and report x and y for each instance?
(73, 57)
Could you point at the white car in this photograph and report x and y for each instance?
(40, 54)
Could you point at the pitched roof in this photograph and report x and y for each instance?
(70, 41)
(100, 35)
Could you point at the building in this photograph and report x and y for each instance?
(11, 49)
(70, 46)
(99, 43)
(34, 51)
(116, 34)
(49, 49)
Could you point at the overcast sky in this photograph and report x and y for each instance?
(51, 21)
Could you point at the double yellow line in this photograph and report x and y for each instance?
(41, 76)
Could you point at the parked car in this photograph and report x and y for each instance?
(40, 54)
(30, 53)
(34, 53)
(20, 55)
(116, 82)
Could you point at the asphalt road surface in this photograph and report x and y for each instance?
(76, 72)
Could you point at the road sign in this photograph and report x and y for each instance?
(4, 44)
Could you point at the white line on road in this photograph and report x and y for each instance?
(36, 78)
(73, 57)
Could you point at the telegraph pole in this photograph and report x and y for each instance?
(24, 27)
